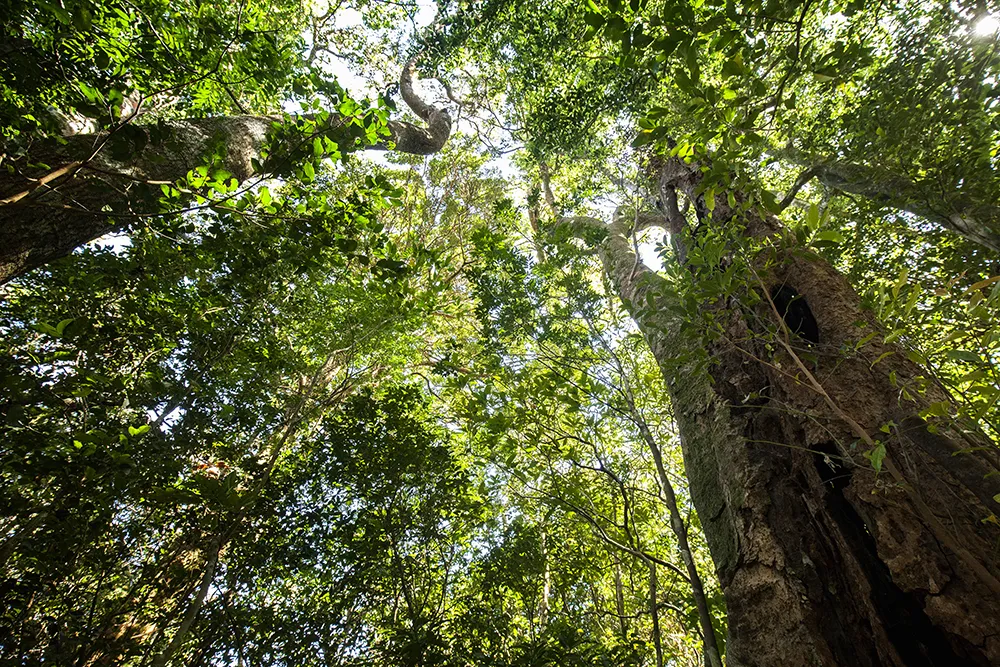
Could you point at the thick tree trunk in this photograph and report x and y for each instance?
(79, 191)
(822, 561)
(979, 222)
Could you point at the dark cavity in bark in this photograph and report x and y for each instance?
(794, 308)
(918, 641)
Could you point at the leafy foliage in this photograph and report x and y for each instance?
(357, 412)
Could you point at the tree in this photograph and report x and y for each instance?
(576, 374)
(818, 553)
(222, 443)
(88, 185)
(860, 98)
(740, 380)
(510, 510)
(143, 427)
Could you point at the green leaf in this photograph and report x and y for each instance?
(812, 217)
(90, 92)
(876, 456)
(883, 356)
(61, 14)
(827, 237)
(642, 139)
(46, 329)
(734, 66)
(616, 27)
(142, 430)
(937, 409)
(964, 355)
(770, 202)
(82, 19)
(904, 274)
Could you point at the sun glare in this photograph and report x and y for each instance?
(988, 25)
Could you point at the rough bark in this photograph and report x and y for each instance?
(83, 191)
(822, 561)
(979, 222)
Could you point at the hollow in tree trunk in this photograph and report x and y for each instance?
(822, 560)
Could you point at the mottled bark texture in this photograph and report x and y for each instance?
(822, 561)
(95, 184)
(977, 221)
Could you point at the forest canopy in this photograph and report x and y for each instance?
(383, 332)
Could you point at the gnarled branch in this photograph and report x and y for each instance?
(88, 191)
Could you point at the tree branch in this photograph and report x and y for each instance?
(409, 138)
(806, 176)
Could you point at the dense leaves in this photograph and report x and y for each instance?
(342, 411)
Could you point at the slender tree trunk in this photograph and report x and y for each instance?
(543, 605)
(95, 184)
(677, 525)
(158, 593)
(620, 599)
(822, 561)
(192, 611)
(714, 657)
(654, 614)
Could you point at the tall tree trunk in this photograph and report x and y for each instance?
(543, 604)
(822, 561)
(712, 653)
(208, 576)
(94, 184)
(620, 599)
